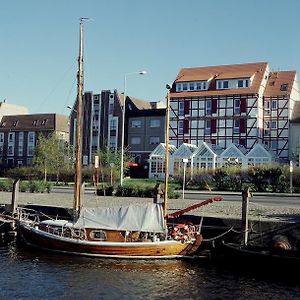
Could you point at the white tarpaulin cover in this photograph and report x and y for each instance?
(140, 217)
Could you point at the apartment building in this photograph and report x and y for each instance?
(19, 134)
(244, 104)
(102, 125)
(145, 128)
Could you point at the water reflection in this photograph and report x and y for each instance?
(34, 274)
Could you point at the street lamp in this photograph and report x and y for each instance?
(123, 123)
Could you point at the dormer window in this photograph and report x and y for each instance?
(191, 86)
(284, 87)
(243, 83)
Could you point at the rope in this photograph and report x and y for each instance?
(218, 236)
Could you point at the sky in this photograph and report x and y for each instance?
(39, 44)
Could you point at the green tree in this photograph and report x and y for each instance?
(110, 164)
(52, 155)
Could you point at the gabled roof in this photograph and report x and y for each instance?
(233, 150)
(222, 72)
(204, 150)
(35, 122)
(160, 150)
(185, 150)
(140, 104)
(280, 83)
(260, 150)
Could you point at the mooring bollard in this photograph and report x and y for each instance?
(245, 208)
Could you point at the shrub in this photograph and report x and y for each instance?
(6, 185)
(37, 186)
(24, 186)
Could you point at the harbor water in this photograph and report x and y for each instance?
(32, 274)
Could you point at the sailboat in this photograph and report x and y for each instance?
(134, 231)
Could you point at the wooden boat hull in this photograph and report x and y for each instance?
(161, 249)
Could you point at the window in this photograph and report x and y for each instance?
(30, 150)
(136, 140)
(15, 123)
(225, 84)
(154, 140)
(236, 128)
(274, 104)
(181, 108)
(192, 86)
(34, 122)
(274, 124)
(1, 137)
(11, 137)
(274, 145)
(10, 150)
(184, 86)
(219, 84)
(207, 126)
(136, 124)
(111, 108)
(208, 107)
(31, 137)
(154, 123)
(44, 122)
(98, 235)
(198, 85)
(267, 107)
(243, 83)
(237, 104)
(178, 87)
(112, 142)
(284, 87)
(113, 124)
(180, 127)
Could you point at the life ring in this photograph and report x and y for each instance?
(180, 232)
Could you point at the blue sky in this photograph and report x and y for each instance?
(39, 44)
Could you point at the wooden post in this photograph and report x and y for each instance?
(165, 205)
(15, 193)
(245, 208)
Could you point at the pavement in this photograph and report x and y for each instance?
(63, 197)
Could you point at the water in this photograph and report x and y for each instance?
(28, 274)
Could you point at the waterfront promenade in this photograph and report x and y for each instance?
(222, 209)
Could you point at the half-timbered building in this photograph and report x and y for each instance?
(227, 104)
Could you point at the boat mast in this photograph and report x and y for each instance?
(78, 162)
(167, 153)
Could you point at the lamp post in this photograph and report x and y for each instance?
(185, 161)
(123, 123)
(291, 176)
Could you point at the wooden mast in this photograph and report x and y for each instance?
(78, 162)
(167, 154)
